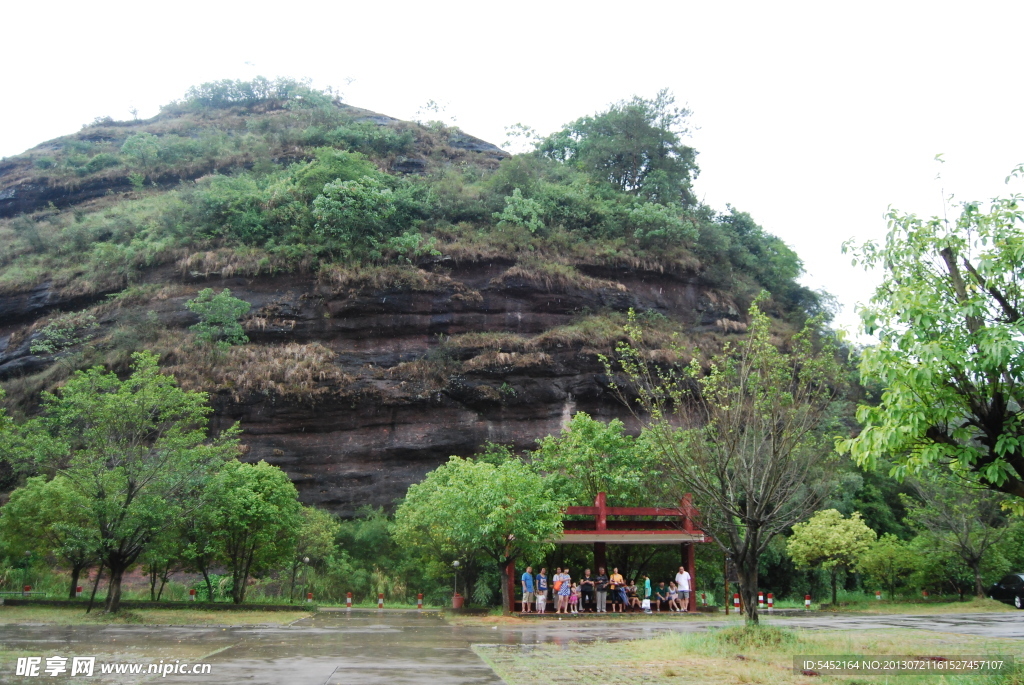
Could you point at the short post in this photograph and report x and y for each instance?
(380, 600)
(771, 602)
(760, 599)
(924, 594)
(736, 601)
(807, 601)
(348, 600)
(192, 595)
(25, 590)
(703, 599)
(78, 591)
(309, 597)
(419, 601)
(878, 595)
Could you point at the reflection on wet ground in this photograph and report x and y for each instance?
(378, 647)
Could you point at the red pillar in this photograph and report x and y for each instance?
(691, 566)
(601, 524)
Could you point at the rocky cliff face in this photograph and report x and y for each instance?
(413, 366)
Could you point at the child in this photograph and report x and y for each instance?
(542, 590)
(574, 599)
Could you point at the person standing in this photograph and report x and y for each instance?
(542, 590)
(587, 587)
(601, 589)
(615, 583)
(564, 590)
(647, 592)
(527, 581)
(683, 588)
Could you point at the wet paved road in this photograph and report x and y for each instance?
(390, 647)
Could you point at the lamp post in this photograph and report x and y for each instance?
(455, 565)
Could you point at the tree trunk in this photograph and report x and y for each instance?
(291, 592)
(209, 586)
(95, 586)
(979, 589)
(114, 591)
(747, 572)
(76, 572)
(833, 574)
(152, 583)
(503, 569)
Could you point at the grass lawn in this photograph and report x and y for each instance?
(75, 616)
(973, 606)
(731, 655)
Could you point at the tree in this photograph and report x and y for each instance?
(963, 517)
(887, 560)
(51, 517)
(500, 512)
(951, 345)
(359, 212)
(135, 452)
(831, 542)
(219, 317)
(590, 456)
(635, 145)
(748, 438)
(257, 513)
(142, 150)
(314, 540)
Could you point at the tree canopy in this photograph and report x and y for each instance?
(501, 512)
(830, 541)
(950, 354)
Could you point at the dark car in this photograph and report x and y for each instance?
(1010, 590)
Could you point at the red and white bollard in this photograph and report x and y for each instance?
(78, 591)
(771, 602)
(807, 601)
(878, 595)
(736, 601)
(419, 601)
(760, 600)
(924, 594)
(192, 595)
(25, 590)
(348, 600)
(380, 600)
(703, 599)
(309, 597)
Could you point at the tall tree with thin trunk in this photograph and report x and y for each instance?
(746, 437)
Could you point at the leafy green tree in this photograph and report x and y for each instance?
(360, 213)
(521, 211)
(219, 317)
(591, 456)
(888, 560)
(751, 443)
(635, 145)
(161, 558)
(499, 512)
(142, 150)
(257, 516)
(136, 452)
(831, 542)
(951, 345)
(51, 518)
(963, 517)
(314, 541)
(198, 538)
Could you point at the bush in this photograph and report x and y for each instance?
(219, 317)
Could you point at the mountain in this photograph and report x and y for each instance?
(415, 292)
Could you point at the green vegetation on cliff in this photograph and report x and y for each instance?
(277, 177)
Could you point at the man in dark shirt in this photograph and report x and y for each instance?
(660, 595)
(587, 589)
(601, 587)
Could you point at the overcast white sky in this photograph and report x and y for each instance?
(813, 117)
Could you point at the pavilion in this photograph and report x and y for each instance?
(672, 526)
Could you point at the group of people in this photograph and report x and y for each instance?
(595, 593)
